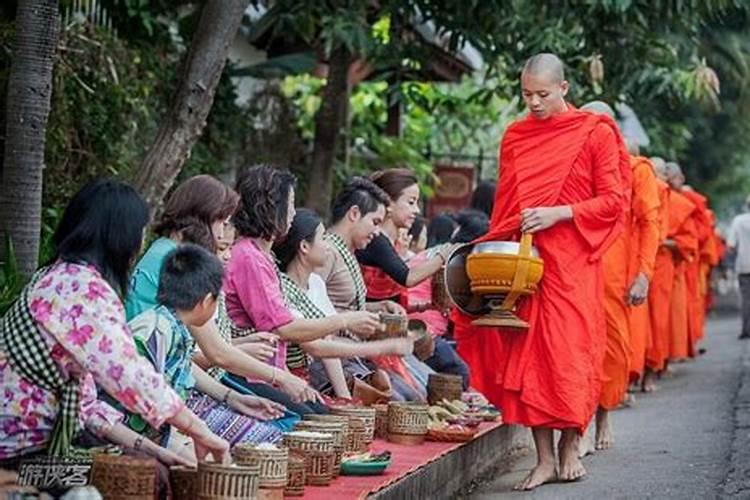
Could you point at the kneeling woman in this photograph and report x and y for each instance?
(253, 292)
(67, 334)
(302, 251)
(189, 286)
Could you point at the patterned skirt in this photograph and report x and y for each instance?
(230, 425)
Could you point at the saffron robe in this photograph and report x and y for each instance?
(644, 244)
(550, 375)
(694, 281)
(685, 236)
(660, 289)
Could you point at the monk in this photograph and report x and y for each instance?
(617, 355)
(644, 245)
(683, 240)
(662, 282)
(561, 179)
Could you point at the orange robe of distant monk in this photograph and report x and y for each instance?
(550, 375)
(685, 236)
(660, 289)
(644, 243)
(694, 280)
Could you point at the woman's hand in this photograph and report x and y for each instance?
(538, 219)
(402, 346)
(391, 307)
(296, 388)
(170, 458)
(261, 351)
(270, 338)
(207, 443)
(255, 407)
(362, 323)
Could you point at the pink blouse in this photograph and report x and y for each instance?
(253, 293)
(83, 322)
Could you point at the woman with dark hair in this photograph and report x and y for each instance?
(254, 298)
(483, 197)
(302, 252)
(440, 230)
(195, 212)
(67, 334)
(386, 273)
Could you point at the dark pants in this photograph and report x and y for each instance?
(445, 359)
(745, 293)
(269, 392)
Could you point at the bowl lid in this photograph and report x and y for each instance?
(458, 284)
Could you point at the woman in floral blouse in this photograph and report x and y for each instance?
(67, 333)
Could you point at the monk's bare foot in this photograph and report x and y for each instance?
(604, 439)
(628, 401)
(539, 475)
(586, 445)
(571, 468)
(648, 382)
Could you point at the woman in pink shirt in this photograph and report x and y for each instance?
(254, 298)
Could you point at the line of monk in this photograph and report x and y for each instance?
(627, 250)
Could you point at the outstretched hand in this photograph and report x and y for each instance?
(255, 407)
(538, 219)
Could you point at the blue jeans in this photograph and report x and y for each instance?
(445, 359)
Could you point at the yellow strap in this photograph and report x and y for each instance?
(522, 271)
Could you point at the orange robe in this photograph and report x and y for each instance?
(644, 243)
(693, 279)
(550, 375)
(685, 236)
(660, 289)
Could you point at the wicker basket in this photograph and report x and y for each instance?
(440, 298)
(337, 429)
(295, 484)
(184, 481)
(451, 436)
(227, 482)
(319, 456)
(407, 422)
(367, 415)
(124, 477)
(354, 436)
(443, 386)
(381, 421)
(394, 325)
(271, 493)
(272, 462)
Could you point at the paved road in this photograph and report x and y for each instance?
(691, 439)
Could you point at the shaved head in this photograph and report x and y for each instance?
(599, 108)
(660, 167)
(633, 148)
(675, 177)
(545, 64)
(544, 87)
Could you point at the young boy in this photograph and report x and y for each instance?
(189, 285)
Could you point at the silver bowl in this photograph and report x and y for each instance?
(501, 247)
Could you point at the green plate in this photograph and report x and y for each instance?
(352, 468)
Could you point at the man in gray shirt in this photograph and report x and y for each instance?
(739, 242)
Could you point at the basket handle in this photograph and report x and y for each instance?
(522, 271)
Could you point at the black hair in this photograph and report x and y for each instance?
(264, 204)
(440, 230)
(483, 197)
(471, 225)
(415, 231)
(358, 192)
(188, 274)
(103, 226)
(304, 226)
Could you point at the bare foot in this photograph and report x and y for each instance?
(586, 445)
(628, 401)
(604, 439)
(571, 468)
(539, 475)
(648, 383)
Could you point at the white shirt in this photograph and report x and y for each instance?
(739, 239)
(318, 294)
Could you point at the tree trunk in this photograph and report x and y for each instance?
(218, 25)
(28, 107)
(329, 120)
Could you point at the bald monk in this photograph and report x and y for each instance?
(644, 245)
(684, 242)
(616, 365)
(660, 290)
(561, 179)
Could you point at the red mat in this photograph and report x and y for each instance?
(405, 460)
